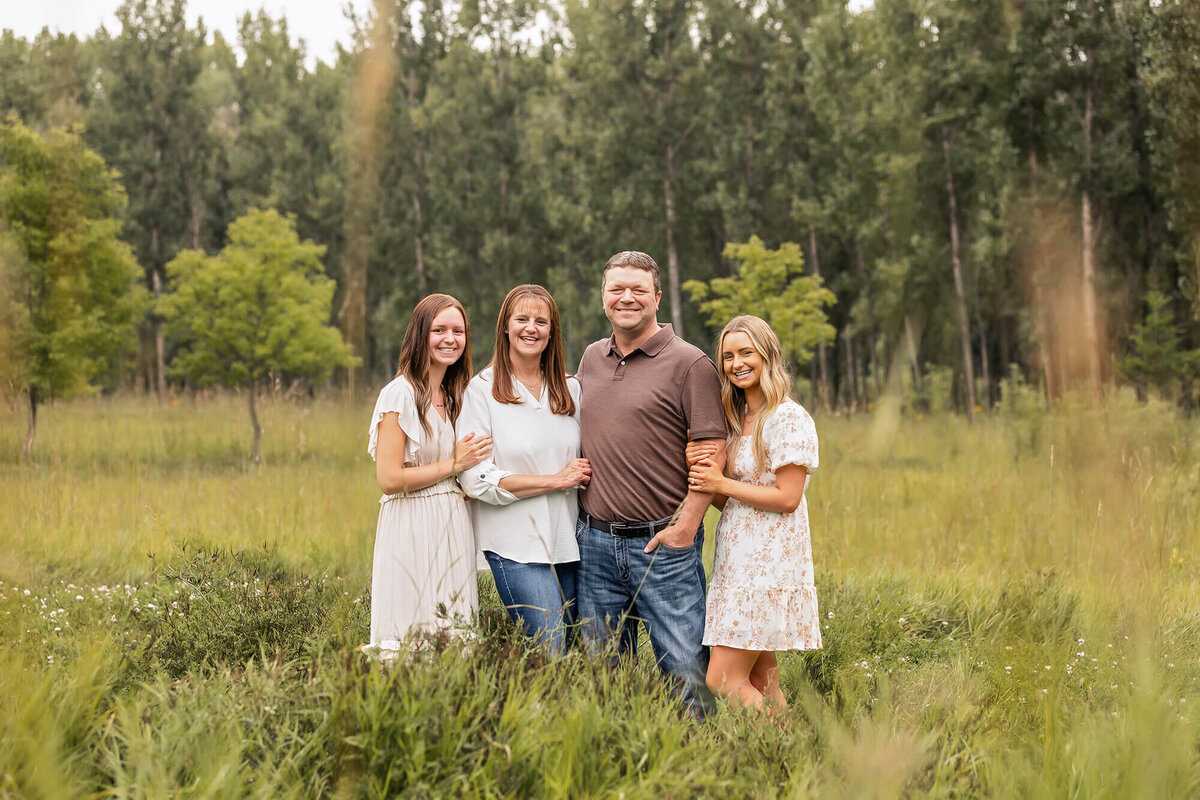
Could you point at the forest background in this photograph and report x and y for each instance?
(975, 223)
(991, 189)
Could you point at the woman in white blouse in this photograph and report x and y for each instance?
(525, 520)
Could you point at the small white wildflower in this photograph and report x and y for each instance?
(901, 620)
(1047, 666)
(78, 597)
(830, 615)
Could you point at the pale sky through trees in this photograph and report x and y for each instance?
(320, 23)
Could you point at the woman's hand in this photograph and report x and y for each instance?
(705, 477)
(698, 451)
(470, 450)
(577, 472)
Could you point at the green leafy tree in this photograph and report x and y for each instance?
(255, 312)
(69, 298)
(770, 284)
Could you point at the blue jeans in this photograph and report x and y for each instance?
(620, 585)
(540, 598)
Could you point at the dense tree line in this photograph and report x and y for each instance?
(992, 189)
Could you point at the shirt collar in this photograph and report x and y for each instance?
(652, 346)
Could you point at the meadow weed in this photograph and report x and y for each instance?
(1008, 610)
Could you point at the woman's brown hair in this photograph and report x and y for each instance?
(414, 357)
(553, 368)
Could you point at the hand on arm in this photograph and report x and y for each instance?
(577, 472)
(783, 497)
(691, 513)
(395, 478)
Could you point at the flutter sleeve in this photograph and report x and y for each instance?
(791, 438)
(481, 481)
(398, 397)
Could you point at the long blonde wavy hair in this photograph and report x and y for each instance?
(774, 381)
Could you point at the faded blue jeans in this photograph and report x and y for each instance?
(620, 585)
(540, 598)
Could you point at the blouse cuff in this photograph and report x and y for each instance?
(485, 486)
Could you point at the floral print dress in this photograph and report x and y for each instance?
(762, 595)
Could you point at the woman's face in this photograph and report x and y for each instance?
(528, 328)
(740, 362)
(447, 337)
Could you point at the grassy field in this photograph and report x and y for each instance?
(1010, 611)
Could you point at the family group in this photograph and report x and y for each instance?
(587, 492)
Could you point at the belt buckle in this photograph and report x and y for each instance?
(619, 529)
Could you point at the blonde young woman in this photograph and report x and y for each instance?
(527, 488)
(761, 598)
(423, 575)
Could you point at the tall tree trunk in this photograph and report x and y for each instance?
(850, 383)
(960, 294)
(673, 292)
(911, 337)
(419, 244)
(33, 409)
(160, 345)
(822, 362)
(254, 455)
(1090, 321)
(1040, 312)
(983, 362)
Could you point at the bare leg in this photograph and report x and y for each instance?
(765, 677)
(729, 675)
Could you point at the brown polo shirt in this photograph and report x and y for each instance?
(634, 421)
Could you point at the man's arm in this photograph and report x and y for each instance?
(681, 533)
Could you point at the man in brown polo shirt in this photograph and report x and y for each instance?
(645, 393)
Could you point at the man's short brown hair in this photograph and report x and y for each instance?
(634, 259)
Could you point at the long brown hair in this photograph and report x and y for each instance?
(774, 382)
(554, 372)
(414, 357)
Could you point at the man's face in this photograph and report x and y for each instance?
(630, 302)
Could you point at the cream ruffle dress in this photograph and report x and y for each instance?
(423, 576)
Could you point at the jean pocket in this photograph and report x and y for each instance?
(681, 550)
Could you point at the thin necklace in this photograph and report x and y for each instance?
(532, 390)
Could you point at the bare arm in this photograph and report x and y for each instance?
(577, 472)
(784, 497)
(691, 513)
(395, 478)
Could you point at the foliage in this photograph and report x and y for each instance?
(70, 299)
(458, 148)
(770, 284)
(256, 311)
(1156, 360)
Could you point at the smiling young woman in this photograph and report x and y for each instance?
(772, 449)
(424, 557)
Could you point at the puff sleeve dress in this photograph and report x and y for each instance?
(423, 573)
(762, 595)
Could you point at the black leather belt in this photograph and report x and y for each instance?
(627, 530)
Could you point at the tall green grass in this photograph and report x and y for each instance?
(1008, 610)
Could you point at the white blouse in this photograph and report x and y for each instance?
(527, 439)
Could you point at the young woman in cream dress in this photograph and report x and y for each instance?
(423, 575)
